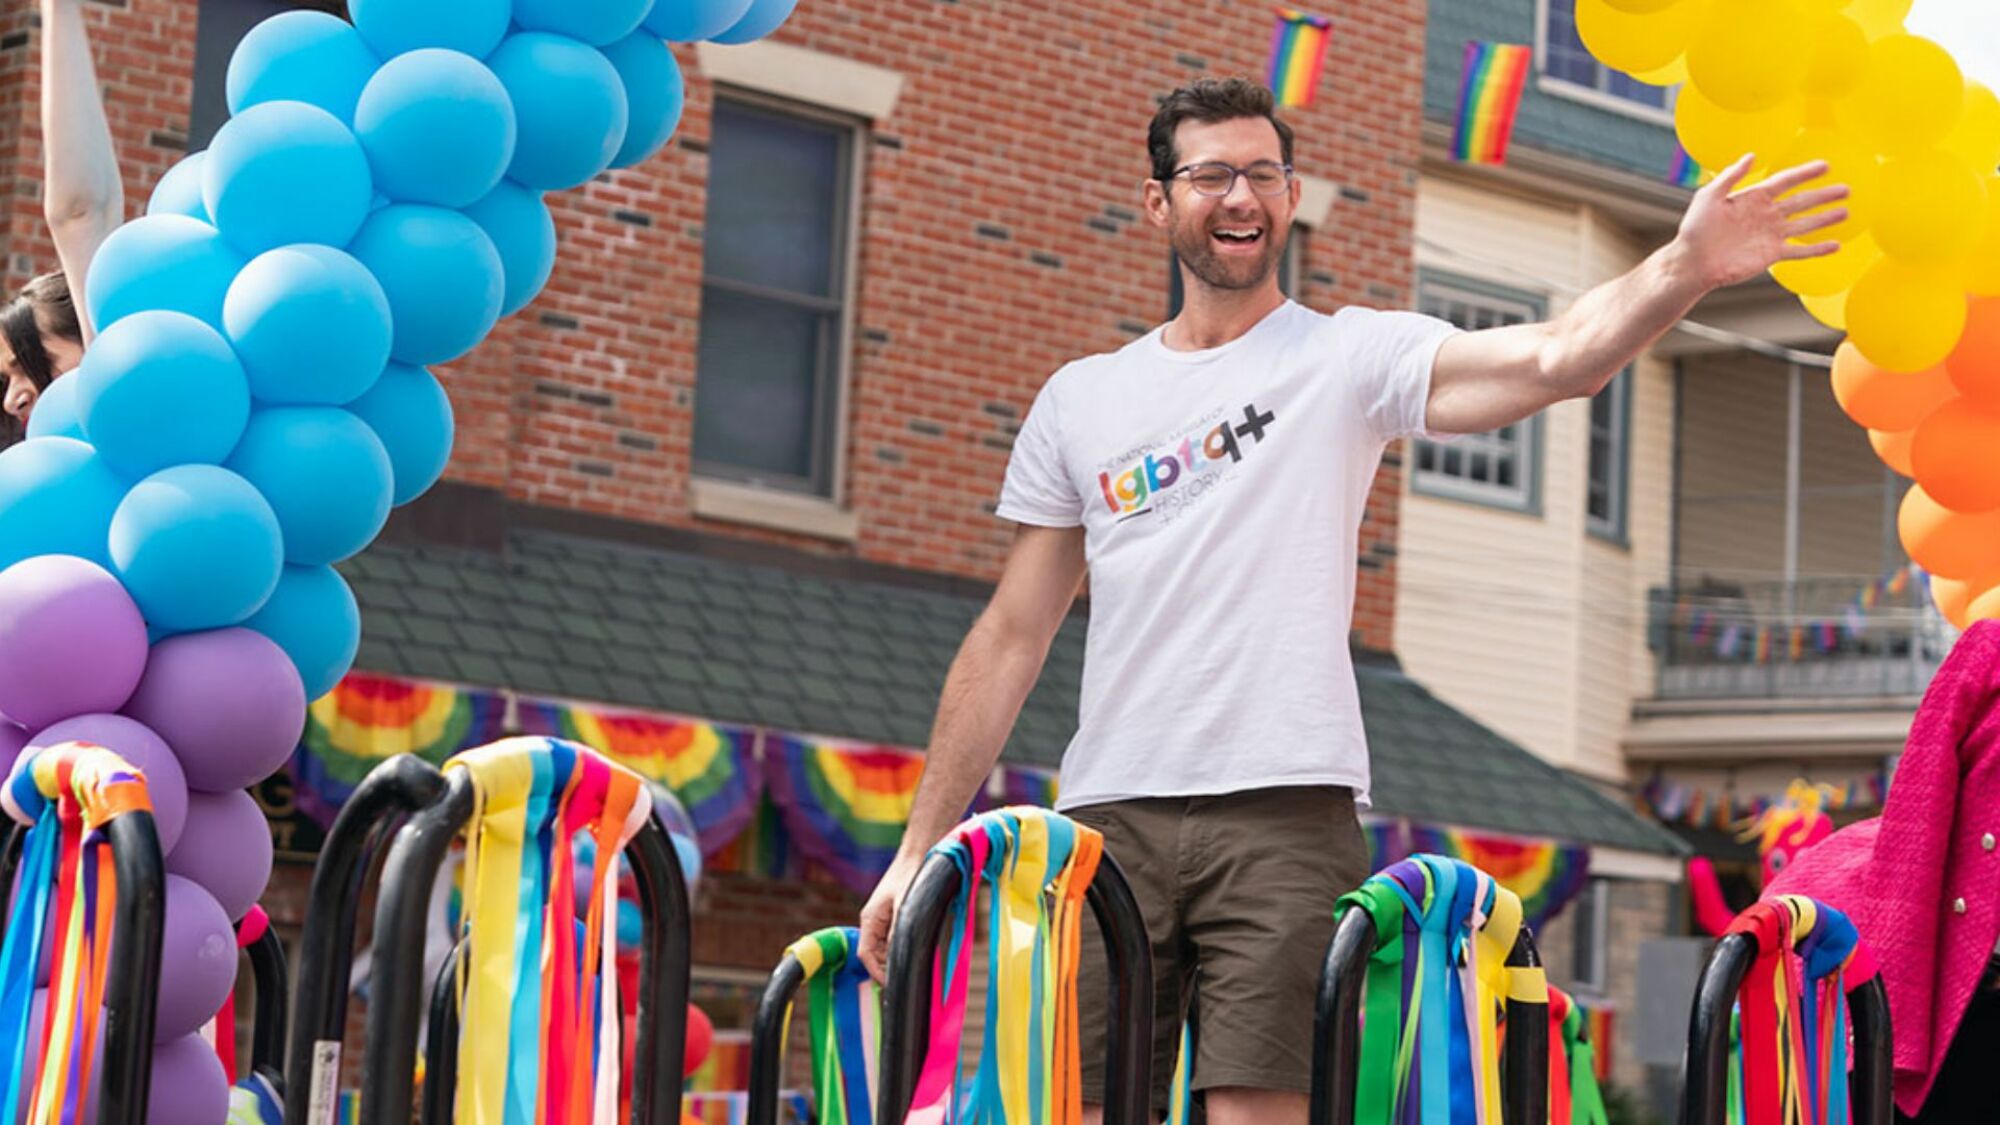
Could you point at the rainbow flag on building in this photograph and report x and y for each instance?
(1488, 97)
(1298, 54)
(1684, 171)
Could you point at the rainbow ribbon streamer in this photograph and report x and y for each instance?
(844, 1013)
(1547, 875)
(1790, 1062)
(1033, 867)
(1488, 98)
(540, 1035)
(1575, 1098)
(1298, 56)
(66, 794)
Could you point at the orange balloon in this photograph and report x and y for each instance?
(1975, 364)
(1886, 400)
(1945, 542)
(1952, 597)
(1894, 450)
(1953, 453)
(1985, 607)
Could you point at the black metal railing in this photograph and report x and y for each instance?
(1808, 638)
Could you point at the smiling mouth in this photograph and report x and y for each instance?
(1238, 236)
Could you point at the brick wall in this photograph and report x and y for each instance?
(1021, 116)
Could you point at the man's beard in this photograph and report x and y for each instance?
(1197, 250)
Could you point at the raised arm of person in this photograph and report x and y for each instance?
(83, 197)
(996, 667)
(1498, 376)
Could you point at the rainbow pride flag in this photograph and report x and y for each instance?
(1298, 55)
(1489, 94)
(1684, 171)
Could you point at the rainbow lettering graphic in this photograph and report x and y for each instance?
(1133, 491)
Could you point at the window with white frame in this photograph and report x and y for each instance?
(1610, 457)
(777, 283)
(1566, 63)
(1498, 467)
(1590, 928)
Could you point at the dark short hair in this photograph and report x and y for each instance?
(1210, 100)
(42, 308)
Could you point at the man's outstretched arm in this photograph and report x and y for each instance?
(1482, 380)
(995, 669)
(83, 199)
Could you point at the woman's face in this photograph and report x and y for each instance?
(21, 392)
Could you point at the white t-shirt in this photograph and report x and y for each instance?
(1221, 493)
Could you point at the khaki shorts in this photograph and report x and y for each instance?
(1238, 893)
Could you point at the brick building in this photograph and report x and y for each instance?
(739, 460)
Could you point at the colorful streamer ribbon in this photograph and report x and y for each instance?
(844, 1013)
(1575, 1098)
(1791, 1060)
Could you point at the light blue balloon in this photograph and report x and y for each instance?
(691, 21)
(301, 56)
(310, 323)
(570, 105)
(596, 23)
(160, 262)
(395, 26)
(314, 618)
(443, 276)
(159, 389)
(179, 191)
(56, 498)
(519, 223)
(409, 411)
(326, 477)
(437, 126)
(55, 410)
(762, 19)
(285, 172)
(688, 851)
(197, 547)
(654, 91)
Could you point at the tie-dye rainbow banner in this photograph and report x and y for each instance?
(1022, 785)
(843, 804)
(366, 720)
(1545, 873)
(709, 766)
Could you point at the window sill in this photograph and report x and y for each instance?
(1557, 87)
(1429, 489)
(779, 511)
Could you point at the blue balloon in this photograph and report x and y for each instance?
(310, 323)
(197, 547)
(690, 21)
(524, 232)
(160, 262)
(159, 389)
(688, 851)
(55, 411)
(438, 128)
(631, 924)
(570, 104)
(409, 411)
(314, 618)
(179, 191)
(597, 23)
(443, 276)
(395, 26)
(762, 19)
(301, 56)
(56, 498)
(325, 475)
(285, 172)
(653, 89)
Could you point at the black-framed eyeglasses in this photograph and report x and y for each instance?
(1266, 178)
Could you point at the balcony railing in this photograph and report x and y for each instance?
(1817, 638)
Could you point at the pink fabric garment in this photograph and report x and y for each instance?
(1922, 881)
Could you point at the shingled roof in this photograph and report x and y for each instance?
(586, 619)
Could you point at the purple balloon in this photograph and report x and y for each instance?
(71, 641)
(226, 848)
(138, 745)
(12, 740)
(189, 1087)
(229, 700)
(197, 960)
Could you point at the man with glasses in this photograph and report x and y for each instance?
(1211, 478)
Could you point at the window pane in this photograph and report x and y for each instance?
(774, 192)
(760, 361)
(1568, 59)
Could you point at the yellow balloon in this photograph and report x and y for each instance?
(1717, 137)
(1837, 54)
(1976, 137)
(1747, 57)
(1879, 17)
(1904, 318)
(1982, 269)
(1932, 208)
(1985, 607)
(1909, 98)
(1830, 309)
(1849, 162)
(1674, 73)
(1641, 7)
(1835, 273)
(1638, 42)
